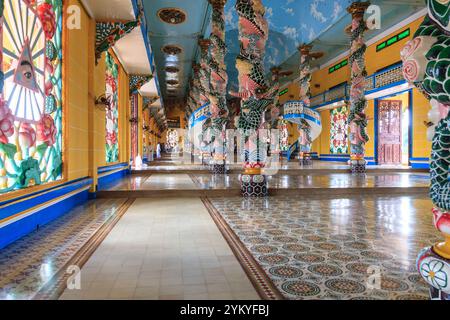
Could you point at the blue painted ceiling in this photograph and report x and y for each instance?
(321, 22)
(182, 35)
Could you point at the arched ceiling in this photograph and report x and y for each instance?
(174, 70)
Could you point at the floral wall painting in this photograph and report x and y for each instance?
(30, 93)
(339, 130)
(112, 111)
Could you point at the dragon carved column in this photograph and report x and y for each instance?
(304, 129)
(358, 103)
(218, 86)
(425, 64)
(254, 91)
(196, 104)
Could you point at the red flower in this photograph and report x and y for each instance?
(48, 19)
(111, 138)
(46, 130)
(27, 135)
(6, 122)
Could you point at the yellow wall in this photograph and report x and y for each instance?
(76, 115)
(85, 122)
(420, 145)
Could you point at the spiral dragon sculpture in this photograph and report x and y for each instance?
(254, 90)
(358, 103)
(218, 86)
(426, 65)
(204, 89)
(305, 139)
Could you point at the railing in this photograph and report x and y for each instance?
(200, 114)
(379, 80)
(297, 109)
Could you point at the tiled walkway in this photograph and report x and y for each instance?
(31, 262)
(164, 249)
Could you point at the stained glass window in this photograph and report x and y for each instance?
(284, 136)
(339, 130)
(30, 93)
(112, 111)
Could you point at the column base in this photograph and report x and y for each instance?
(358, 166)
(254, 186)
(305, 159)
(435, 270)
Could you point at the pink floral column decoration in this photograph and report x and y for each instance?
(357, 117)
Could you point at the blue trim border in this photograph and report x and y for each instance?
(43, 207)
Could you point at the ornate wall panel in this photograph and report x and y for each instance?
(339, 130)
(30, 93)
(112, 111)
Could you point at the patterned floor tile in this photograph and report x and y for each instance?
(30, 263)
(321, 248)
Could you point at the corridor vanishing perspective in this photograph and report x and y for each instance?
(221, 150)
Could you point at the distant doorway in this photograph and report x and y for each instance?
(390, 132)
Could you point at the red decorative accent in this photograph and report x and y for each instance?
(27, 135)
(6, 122)
(47, 17)
(46, 130)
(441, 220)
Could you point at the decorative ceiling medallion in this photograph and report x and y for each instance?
(171, 50)
(172, 82)
(172, 15)
(171, 69)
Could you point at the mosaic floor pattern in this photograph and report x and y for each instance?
(351, 248)
(34, 261)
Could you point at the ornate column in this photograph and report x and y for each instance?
(425, 64)
(204, 72)
(254, 91)
(218, 86)
(304, 129)
(357, 117)
(205, 75)
(274, 114)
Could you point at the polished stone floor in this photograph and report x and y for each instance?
(347, 248)
(314, 243)
(31, 262)
(201, 181)
(317, 247)
(330, 248)
(164, 249)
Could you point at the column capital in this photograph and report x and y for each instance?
(357, 9)
(204, 44)
(305, 50)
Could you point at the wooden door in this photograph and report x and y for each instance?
(390, 132)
